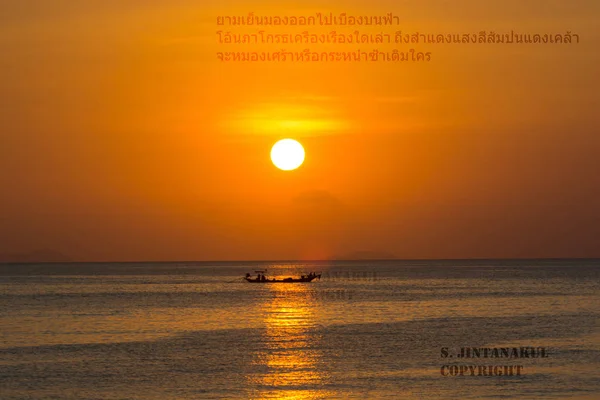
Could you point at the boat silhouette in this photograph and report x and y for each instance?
(261, 278)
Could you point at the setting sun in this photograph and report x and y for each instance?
(287, 154)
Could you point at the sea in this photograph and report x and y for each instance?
(365, 330)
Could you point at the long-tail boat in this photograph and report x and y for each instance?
(261, 278)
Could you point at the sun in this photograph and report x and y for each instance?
(287, 154)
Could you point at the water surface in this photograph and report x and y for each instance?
(365, 330)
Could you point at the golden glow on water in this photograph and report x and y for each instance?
(289, 362)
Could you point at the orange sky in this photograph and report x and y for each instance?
(122, 137)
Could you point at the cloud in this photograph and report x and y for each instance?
(312, 98)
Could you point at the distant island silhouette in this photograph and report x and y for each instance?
(52, 256)
(41, 256)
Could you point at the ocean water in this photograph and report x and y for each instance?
(365, 330)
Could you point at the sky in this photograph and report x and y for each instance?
(124, 138)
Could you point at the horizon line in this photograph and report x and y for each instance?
(304, 260)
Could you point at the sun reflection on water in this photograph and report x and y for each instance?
(289, 363)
